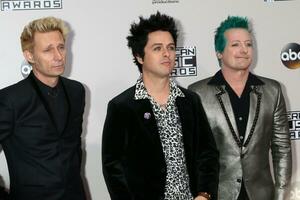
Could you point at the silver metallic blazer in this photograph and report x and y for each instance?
(267, 129)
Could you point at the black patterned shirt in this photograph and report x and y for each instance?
(170, 132)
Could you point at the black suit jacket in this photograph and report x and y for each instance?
(43, 164)
(134, 167)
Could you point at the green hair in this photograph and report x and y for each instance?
(229, 23)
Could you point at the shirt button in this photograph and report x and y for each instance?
(241, 137)
(240, 118)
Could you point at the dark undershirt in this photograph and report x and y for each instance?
(56, 99)
(240, 105)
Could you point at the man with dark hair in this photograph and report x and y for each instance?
(157, 143)
(41, 119)
(247, 115)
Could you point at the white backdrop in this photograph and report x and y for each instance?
(99, 58)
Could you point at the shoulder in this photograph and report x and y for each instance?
(268, 82)
(188, 93)
(125, 96)
(70, 83)
(19, 93)
(199, 84)
(74, 88)
(122, 103)
(16, 89)
(191, 97)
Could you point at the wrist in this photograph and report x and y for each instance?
(205, 194)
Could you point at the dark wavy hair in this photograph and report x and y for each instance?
(138, 37)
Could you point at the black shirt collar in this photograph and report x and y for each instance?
(46, 90)
(218, 79)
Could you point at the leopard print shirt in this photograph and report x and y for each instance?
(170, 132)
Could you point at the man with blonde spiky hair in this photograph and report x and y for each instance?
(248, 118)
(41, 120)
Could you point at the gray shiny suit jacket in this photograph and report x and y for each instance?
(267, 129)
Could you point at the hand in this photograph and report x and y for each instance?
(200, 198)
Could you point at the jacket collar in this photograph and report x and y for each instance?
(218, 79)
(255, 103)
(34, 83)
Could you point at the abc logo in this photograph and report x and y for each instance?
(290, 55)
(25, 68)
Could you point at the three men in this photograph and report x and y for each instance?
(41, 120)
(157, 143)
(247, 115)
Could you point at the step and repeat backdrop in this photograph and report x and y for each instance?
(99, 58)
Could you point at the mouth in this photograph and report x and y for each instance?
(167, 62)
(243, 57)
(59, 66)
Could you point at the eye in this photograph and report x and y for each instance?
(235, 44)
(157, 48)
(172, 48)
(249, 44)
(62, 47)
(47, 50)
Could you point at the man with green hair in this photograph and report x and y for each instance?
(247, 115)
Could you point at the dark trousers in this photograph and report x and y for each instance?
(243, 193)
(3, 193)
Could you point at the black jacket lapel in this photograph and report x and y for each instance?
(255, 102)
(186, 118)
(233, 129)
(69, 105)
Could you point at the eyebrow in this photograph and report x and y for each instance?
(242, 41)
(159, 44)
(48, 46)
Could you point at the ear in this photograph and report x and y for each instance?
(219, 55)
(140, 60)
(28, 56)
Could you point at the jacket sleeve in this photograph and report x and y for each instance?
(207, 157)
(281, 148)
(113, 143)
(6, 116)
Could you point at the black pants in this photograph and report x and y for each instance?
(3, 193)
(243, 193)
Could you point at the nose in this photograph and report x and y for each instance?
(58, 54)
(244, 48)
(166, 52)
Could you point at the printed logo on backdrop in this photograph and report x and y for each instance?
(15, 5)
(290, 55)
(186, 64)
(164, 1)
(294, 124)
(25, 68)
(294, 193)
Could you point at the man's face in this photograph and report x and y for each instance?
(48, 55)
(160, 53)
(238, 52)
